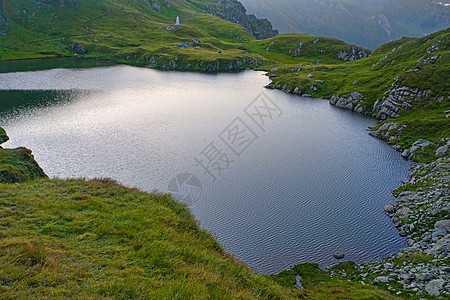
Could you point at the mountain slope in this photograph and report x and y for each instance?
(366, 23)
(143, 33)
(407, 80)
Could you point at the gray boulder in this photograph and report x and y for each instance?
(441, 151)
(381, 279)
(440, 247)
(299, 282)
(434, 287)
(403, 212)
(419, 144)
(389, 208)
(442, 227)
(406, 153)
(424, 276)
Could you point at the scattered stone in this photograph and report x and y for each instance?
(299, 282)
(78, 48)
(420, 144)
(389, 208)
(441, 151)
(381, 279)
(352, 53)
(434, 287)
(406, 153)
(355, 82)
(310, 75)
(414, 214)
(350, 102)
(172, 28)
(442, 227)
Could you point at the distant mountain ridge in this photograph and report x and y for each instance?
(369, 23)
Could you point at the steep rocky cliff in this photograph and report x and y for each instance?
(234, 11)
(367, 23)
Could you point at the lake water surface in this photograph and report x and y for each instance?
(278, 179)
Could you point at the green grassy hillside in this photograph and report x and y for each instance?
(135, 32)
(412, 74)
(98, 240)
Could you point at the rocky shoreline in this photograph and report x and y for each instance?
(421, 213)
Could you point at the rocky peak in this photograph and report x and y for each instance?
(234, 11)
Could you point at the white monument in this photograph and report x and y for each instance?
(178, 21)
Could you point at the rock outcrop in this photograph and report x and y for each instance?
(185, 64)
(397, 98)
(234, 11)
(443, 150)
(3, 136)
(353, 53)
(17, 165)
(352, 102)
(79, 48)
(154, 5)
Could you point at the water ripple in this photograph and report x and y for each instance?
(313, 183)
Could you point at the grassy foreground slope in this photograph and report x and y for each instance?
(95, 239)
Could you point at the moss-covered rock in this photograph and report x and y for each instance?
(17, 165)
(3, 137)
